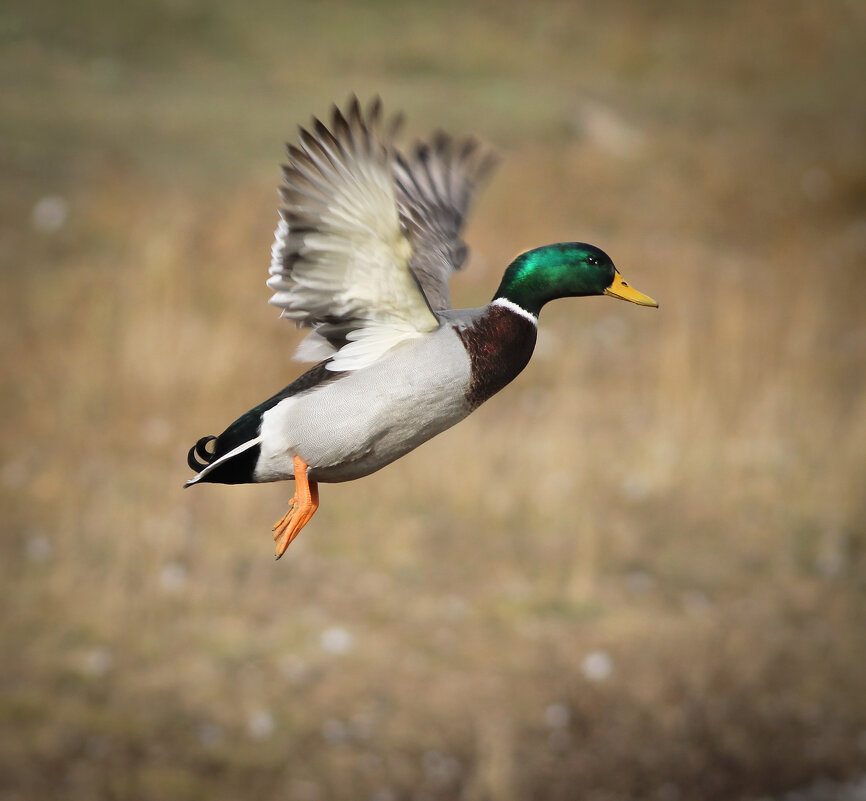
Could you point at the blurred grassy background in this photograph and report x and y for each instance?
(671, 606)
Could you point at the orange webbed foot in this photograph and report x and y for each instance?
(301, 508)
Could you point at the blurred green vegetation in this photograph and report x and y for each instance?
(669, 607)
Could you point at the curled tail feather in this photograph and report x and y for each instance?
(200, 450)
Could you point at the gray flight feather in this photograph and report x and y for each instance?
(434, 188)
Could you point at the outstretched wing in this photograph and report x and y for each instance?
(434, 188)
(341, 260)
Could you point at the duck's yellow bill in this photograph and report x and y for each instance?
(620, 289)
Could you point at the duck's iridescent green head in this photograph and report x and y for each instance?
(567, 269)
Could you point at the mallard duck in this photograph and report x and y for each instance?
(366, 241)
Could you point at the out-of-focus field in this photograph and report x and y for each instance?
(639, 573)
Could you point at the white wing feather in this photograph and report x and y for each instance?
(340, 260)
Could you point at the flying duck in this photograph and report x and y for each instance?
(366, 241)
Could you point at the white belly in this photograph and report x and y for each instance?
(358, 424)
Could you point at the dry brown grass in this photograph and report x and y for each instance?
(695, 516)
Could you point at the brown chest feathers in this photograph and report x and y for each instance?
(499, 345)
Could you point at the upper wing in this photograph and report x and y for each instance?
(340, 260)
(434, 187)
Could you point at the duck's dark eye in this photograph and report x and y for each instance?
(593, 260)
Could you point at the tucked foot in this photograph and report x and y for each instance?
(301, 508)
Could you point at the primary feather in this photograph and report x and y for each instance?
(434, 188)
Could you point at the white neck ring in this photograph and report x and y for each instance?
(505, 303)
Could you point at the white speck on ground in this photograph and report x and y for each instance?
(50, 214)
(639, 582)
(209, 734)
(696, 603)
(97, 661)
(557, 716)
(440, 769)
(293, 668)
(173, 577)
(337, 640)
(334, 731)
(38, 548)
(597, 666)
(260, 724)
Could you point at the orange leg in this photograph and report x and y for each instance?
(301, 508)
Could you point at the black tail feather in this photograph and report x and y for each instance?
(240, 469)
(199, 450)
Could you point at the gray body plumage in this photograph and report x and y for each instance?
(365, 420)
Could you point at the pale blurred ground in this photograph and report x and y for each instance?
(669, 605)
